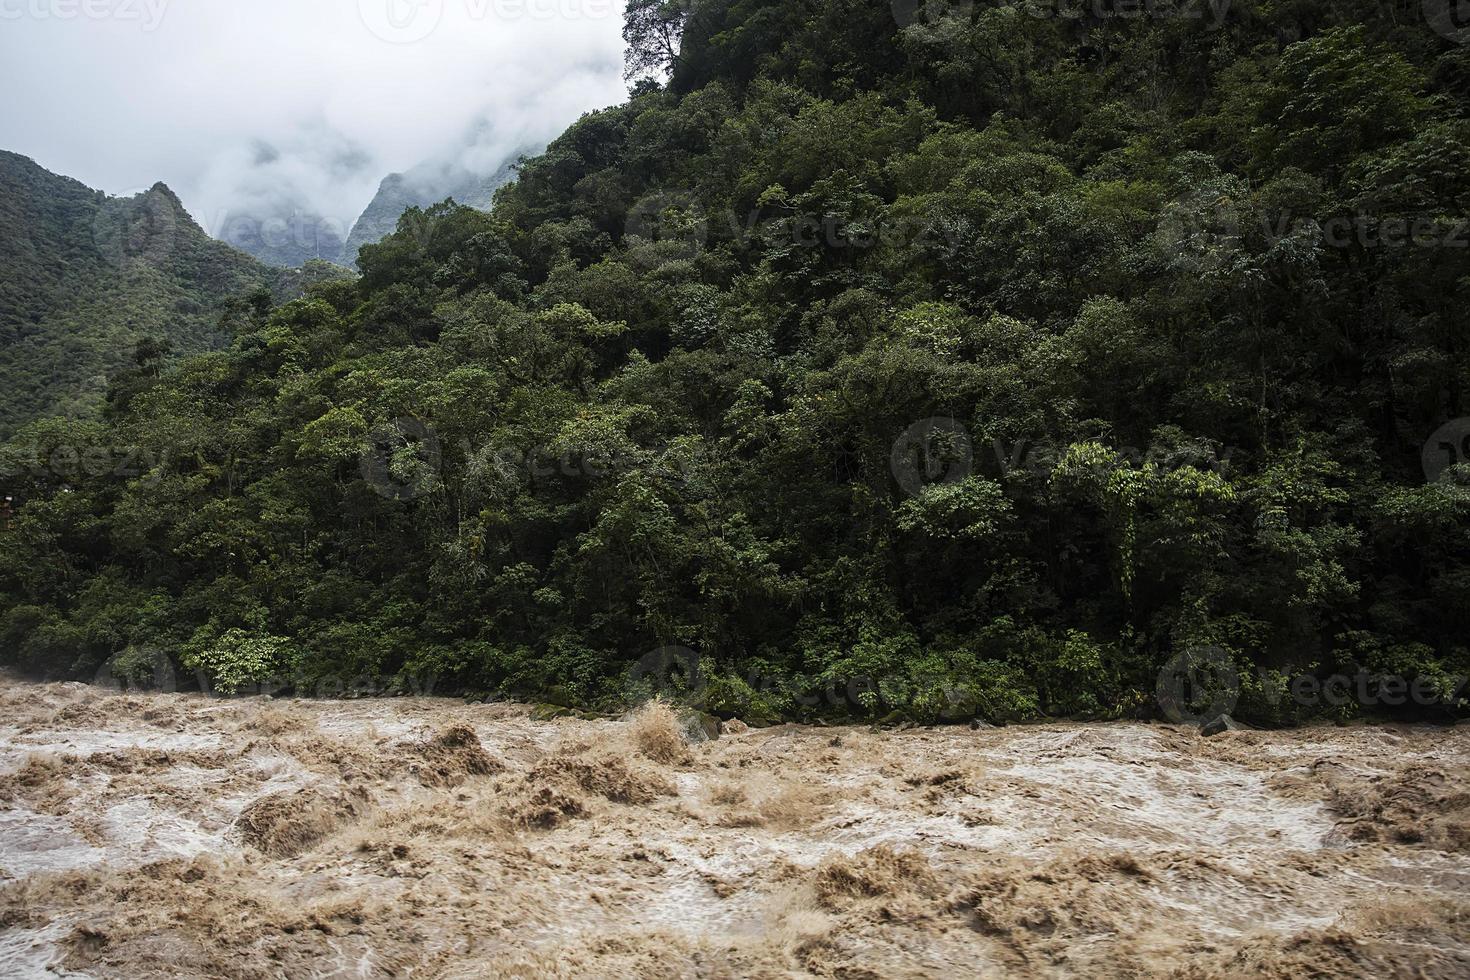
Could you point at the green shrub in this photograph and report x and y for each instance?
(238, 658)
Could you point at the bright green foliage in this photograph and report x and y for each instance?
(977, 365)
(238, 658)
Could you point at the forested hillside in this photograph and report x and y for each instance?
(947, 359)
(86, 277)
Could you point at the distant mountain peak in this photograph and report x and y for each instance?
(164, 194)
(425, 185)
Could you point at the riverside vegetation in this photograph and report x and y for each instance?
(821, 357)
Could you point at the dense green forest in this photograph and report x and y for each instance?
(947, 359)
(86, 277)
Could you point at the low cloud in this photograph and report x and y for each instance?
(275, 105)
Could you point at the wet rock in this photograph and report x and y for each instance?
(698, 726)
(551, 712)
(1217, 726)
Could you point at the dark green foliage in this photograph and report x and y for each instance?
(978, 366)
(87, 276)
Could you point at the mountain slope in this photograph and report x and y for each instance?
(87, 276)
(421, 187)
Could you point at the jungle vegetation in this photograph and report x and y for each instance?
(946, 359)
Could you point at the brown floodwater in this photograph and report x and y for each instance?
(174, 835)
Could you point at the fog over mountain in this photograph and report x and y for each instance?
(466, 183)
(325, 100)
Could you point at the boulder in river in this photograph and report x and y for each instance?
(698, 726)
(1220, 724)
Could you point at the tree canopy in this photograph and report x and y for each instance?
(950, 359)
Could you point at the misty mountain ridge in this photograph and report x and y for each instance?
(293, 233)
(424, 185)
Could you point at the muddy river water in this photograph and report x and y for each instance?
(178, 836)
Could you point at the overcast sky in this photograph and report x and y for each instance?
(230, 100)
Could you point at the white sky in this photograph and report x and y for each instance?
(235, 101)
